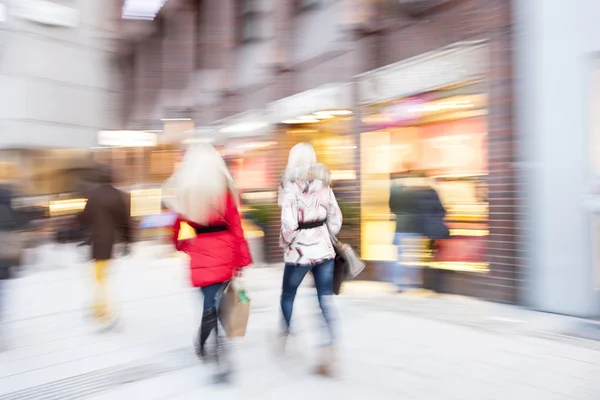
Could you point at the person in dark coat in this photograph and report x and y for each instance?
(9, 221)
(431, 214)
(403, 205)
(107, 216)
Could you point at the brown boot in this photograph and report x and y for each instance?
(325, 366)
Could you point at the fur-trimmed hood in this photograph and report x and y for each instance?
(311, 179)
(317, 172)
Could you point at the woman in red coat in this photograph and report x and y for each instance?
(203, 194)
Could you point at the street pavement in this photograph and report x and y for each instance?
(391, 346)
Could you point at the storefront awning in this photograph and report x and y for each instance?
(249, 124)
(458, 63)
(335, 96)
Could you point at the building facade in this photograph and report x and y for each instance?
(557, 67)
(57, 74)
(379, 88)
(56, 69)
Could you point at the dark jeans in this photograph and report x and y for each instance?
(212, 295)
(293, 276)
(210, 312)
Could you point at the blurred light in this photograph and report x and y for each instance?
(63, 207)
(257, 145)
(461, 267)
(343, 147)
(244, 127)
(303, 117)
(260, 196)
(300, 121)
(142, 9)
(127, 139)
(175, 119)
(334, 112)
(146, 202)
(469, 232)
(205, 140)
(343, 175)
(2, 12)
(442, 106)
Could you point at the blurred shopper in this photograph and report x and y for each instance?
(107, 216)
(309, 214)
(9, 222)
(430, 223)
(203, 195)
(403, 204)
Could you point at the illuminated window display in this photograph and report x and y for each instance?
(443, 135)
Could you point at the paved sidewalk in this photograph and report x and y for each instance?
(387, 351)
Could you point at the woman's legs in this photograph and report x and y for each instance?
(406, 271)
(210, 322)
(101, 306)
(323, 276)
(210, 317)
(292, 278)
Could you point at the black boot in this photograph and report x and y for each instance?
(209, 323)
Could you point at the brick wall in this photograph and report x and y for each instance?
(472, 20)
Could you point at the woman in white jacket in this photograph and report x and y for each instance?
(309, 213)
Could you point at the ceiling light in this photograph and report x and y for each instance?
(142, 9)
(334, 112)
(175, 119)
(300, 121)
(441, 106)
(127, 139)
(244, 127)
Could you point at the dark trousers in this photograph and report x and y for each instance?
(293, 275)
(210, 312)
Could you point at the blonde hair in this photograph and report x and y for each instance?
(301, 159)
(199, 186)
(302, 156)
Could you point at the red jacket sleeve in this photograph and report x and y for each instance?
(233, 220)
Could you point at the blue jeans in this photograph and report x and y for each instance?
(210, 315)
(404, 274)
(212, 295)
(293, 275)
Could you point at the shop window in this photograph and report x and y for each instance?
(436, 139)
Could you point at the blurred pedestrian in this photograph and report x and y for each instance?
(309, 214)
(403, 204)
(203, 195)
(430, 223)
(107, 216)
(9, 223)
